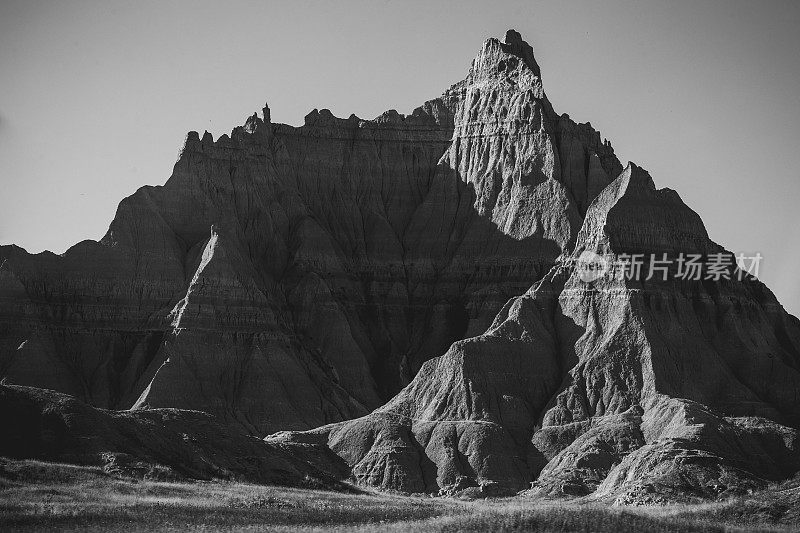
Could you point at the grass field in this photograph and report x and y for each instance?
(41, 496)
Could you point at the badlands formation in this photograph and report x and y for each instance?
(398, 303)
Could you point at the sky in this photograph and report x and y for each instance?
(96, 97)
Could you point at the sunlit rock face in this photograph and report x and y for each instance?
(625, 389)
(289, 277)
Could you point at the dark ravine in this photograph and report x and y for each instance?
(290, 278)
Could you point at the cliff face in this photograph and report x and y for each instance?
(287, 277)
(633, 390)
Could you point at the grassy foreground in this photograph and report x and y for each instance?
(40, 496)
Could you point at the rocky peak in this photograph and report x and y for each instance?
(514, 44)
(413, 229)
(252, 123)
(508, 62)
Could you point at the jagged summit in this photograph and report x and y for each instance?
(503, 63)
(514, 44)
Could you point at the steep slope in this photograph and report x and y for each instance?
(627, 388)
(287, 277)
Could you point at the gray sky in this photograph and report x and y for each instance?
(96, 97)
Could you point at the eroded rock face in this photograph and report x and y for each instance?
(288, 277)
(631, 390)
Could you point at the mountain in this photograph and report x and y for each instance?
(415, 287)
(287, 277)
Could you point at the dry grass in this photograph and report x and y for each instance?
(36, 496)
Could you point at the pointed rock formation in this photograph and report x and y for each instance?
(345, 253)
